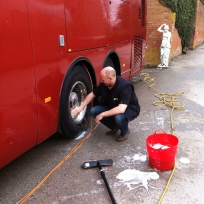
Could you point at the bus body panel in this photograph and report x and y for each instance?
(97, 57)
(47, 23)
(18, 112)
(96, 24)
(89, 28)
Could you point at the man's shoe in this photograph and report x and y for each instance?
(113, 132)
(123, 137)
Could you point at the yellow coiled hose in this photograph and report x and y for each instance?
(167, 100)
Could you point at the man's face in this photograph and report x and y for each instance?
(106, 80)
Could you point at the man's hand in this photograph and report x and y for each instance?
(99, 117)
(76, 111)
(114, 111)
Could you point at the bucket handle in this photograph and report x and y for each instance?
(160, 131)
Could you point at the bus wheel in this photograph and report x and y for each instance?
(109, 62)
(75, 89)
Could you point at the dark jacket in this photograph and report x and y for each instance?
(121, 93)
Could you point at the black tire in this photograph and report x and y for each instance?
(75, 89)
(109, 62)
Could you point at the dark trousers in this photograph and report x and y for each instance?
(112, 121)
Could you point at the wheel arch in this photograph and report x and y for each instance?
(113, 55)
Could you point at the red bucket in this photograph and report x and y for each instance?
(162, 149)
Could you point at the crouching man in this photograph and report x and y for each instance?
(118, 104)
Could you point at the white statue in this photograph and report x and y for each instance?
(165, 46)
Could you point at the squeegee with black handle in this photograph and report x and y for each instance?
(99, 164)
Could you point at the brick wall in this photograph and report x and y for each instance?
(198, 34)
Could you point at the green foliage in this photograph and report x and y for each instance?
(185, 16)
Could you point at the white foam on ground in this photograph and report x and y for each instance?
(184, 160)
(81, 136)
(139, 157)
(130, 177)
(100, 182)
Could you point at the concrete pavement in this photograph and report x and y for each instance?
(73, 185)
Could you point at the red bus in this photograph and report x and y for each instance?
(52, 52)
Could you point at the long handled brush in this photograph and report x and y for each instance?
(99, 164)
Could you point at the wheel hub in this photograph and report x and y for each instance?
(76, 98)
